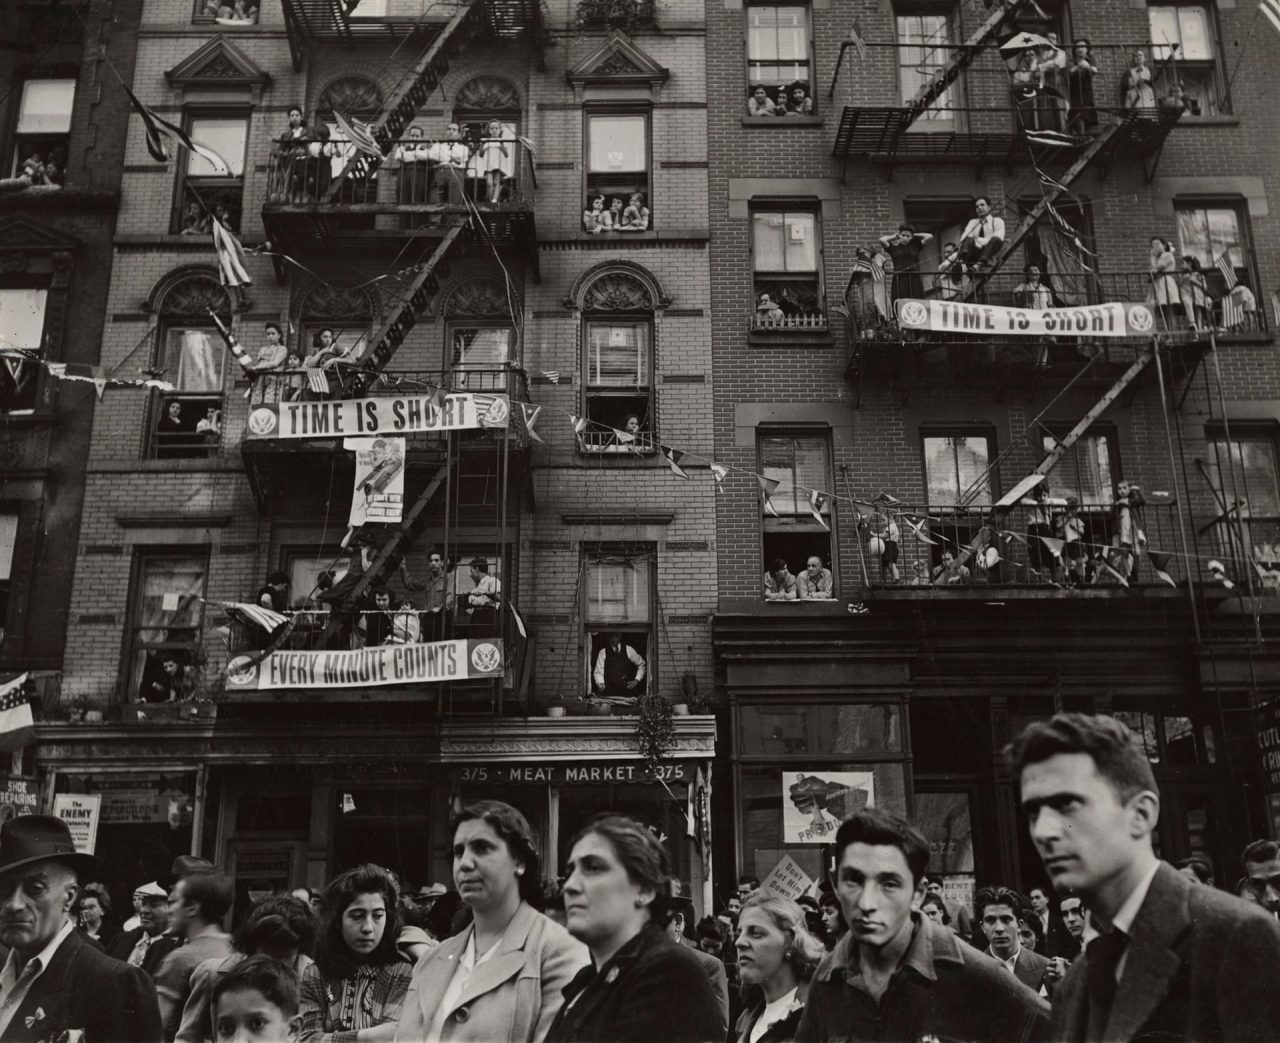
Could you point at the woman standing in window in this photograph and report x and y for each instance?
(503, 977)
(641, 985)
(356, 987)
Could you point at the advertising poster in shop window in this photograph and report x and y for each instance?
(815, 803)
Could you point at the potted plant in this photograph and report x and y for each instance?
(556, 707)
(655, 733)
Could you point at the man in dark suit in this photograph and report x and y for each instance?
(147, 946)
(999, 910)
(55, 982)
(711, 966)
(1164, 958)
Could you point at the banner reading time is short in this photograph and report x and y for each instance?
(393, 415)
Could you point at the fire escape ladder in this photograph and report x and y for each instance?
(1050, 194)
(393, 551)
(411, 94)
(404, 315)
(1058, 451)
(961, 58)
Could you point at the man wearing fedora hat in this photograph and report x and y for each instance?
(54, 983)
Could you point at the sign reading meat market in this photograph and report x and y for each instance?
(1089, 320)
(391, 415)
(368, 667)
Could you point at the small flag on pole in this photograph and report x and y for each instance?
(159, 131)
(358, 134)
(719, 472)
(768, 486)
(673, 457)
(817, 502)
(233, 345)
(317, 381)
(531, 418)
(855, 38)
(1271, 8)
(1223, 264)
(17, 727)
(231, 269)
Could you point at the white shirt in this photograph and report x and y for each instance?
(983, 228)
(1011, 966)
(1127, 913)
(633, 657)
(771, 1015)
(14, 986)
(467, 963)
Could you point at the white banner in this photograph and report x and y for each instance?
(1090, 320)
(80, 812)
(365, 667)
(392, 415)
(815, 803)
(377, 494)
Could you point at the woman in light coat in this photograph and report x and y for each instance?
(503, 977)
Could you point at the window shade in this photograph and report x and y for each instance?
(618, 591)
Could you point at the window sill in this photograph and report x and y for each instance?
(791, 337)
(1207, 121)
(782, 121)
(614, 239)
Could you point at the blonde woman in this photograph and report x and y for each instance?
(777, 954)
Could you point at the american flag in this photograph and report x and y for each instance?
(1232, 311)
(160, 130)
(855, 38)
(17, 728)
(266, 618)
(552, 375)
(877, 273)
(674, 456)
(317, 381)
(231, 269)
(1271, 8)
(1223, 264)
(358, 134)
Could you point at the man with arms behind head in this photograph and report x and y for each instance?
(897, 975)
(54, 982)
(1163, 959)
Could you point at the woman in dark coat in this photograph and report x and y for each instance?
(641, 986)
(776, 956)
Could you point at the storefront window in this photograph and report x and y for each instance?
(651, 803)
(386, 825)
(944, 819)
(819, 729)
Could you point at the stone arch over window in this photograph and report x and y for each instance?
(480, 298)
(322, 302)
(617, 286)
(487, 95)
(351, 95)
(188, 294)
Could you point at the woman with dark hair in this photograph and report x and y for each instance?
(503, 977)
(281, 927)
(356, 987)
(776, 955)
(640, 985)
(935, 909)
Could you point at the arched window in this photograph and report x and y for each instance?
(617, 338)
(482, 100)
(481, 336)
(347, 313)
(187, 421)
(356, 97)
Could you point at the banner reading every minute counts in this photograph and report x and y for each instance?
(392, 415)
(365, 667)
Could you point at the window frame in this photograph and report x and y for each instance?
(63, 138)
(198, 17)
(39, 376)
(1217, 445)
(487, 379)
(1104, 432)
(761, 278)
(590, 177)
(1244, 230)
(646, 553)
(137, 581)
(801, 525)
(986, 431)
(206, 188)
(160, 402)
(593, 441)
(929, 120)
(1214, 66)
(810, 53)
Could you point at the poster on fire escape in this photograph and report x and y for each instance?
(815, 803)
(990, 320)
(388, 415)
(377, 493)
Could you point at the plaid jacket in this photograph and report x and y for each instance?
(334, 1012)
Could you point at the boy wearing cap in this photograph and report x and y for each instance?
(54, 982)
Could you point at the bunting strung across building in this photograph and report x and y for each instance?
(817, 501)
(231, 260)
(578, 423)
(159, 130)
(917, 529)
(673, 458)
(531, 418)
(1160, 566)
(719, 472)
(768, 486)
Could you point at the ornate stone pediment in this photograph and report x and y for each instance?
(219, 64)
(618, 62)
(20, 234)
(478, 297)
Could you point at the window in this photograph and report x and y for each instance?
(618, 387)
(923, 49)
(212, 183)
(21, 327)
(44, 122)
(190, 417)
(164, 625)
(778, 53)
(231, 13)
(1252, 457)
(788, 278)
(1086, 471)
(799, 463)
(955, 468)
(1182, 46)
(8, 537)
(1207, 231)
(618, 591)
(618, 159)
(480, 355)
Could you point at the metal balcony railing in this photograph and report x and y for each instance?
(1027, 547)
(419, 176)
(1243, 545)
(292, 385)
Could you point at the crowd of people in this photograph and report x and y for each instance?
(1117, 946)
